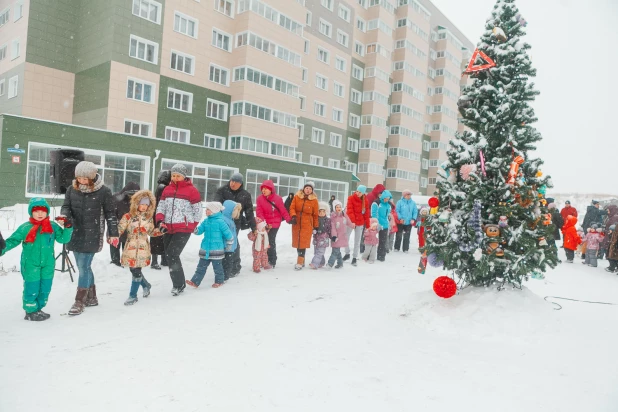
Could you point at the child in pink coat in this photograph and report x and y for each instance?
(340, 224)
(371, 241)
(260, 246)
(593, 240)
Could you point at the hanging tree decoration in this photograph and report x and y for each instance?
(487, 63)
(482, 156)
(500, 35)
(517, 161)
(475, 224)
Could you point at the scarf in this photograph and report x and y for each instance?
(47, 228)
(98, 184)
(261, 239)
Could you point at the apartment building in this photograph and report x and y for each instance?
(365, 87)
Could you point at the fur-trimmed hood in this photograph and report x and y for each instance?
(301, 195)
(139, 196)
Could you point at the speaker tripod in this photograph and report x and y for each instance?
(67, 266)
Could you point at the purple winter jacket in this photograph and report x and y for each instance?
(371, 237)
(339, 222)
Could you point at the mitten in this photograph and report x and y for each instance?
(162, 227)
(293, 220)
(334, 238)
(64, 221)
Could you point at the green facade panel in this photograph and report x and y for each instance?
(196, 121)
(92, 88)
(21, 131)
(94, 33)
(52, 33)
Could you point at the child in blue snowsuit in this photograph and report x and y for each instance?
(218, 239)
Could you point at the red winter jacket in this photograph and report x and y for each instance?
(180, 207)
(571, 238)
(358, 213)
(266, 211)
(375, 193)
(568, 211)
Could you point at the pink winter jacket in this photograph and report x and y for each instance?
(371, 237)
(266, 211)
(339, 222)
(593, 240)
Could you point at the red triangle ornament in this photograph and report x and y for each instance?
(475, 68)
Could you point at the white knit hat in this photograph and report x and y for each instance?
(337, 203)
(214, 207)
(86, 169)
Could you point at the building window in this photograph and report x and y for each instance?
(343, 38)
(328, 4)
(13, 84)
(214, 142)
(338, 89)
(432, 180)
(423, 182)
(3, 49)
(179, 100)
(15, 49)
(271, 14)
(143, 49)
(206, 178)
(319, 109)
(321, 82)
(116, 169)
(335, 140)
(340, 64)
(433, 163)
(338, 115)
(334, 164)
(354, 121)
(316, 160)
(359, 48)
(352, 145)
(221, 40)
(4, 16)
(137, 128)
(243, 108)
(249, 144)
(216, 109)
(308, 18)
(225, 6)
(267, 46)
(326, 28)
(174, 134)
(357, 72)
(426, 145)
(305, 74)
(140, 90)
(317, 135)
(307, 47)
(283, 183)
(186, 25)
(424, 164)
(355, 96)
(265, 79)
(361, 24)
(323, 55)
(303, 103)
(344, 13)
(299, 157)
(182, 62)
(301, 131)
(147, 9)
(2, 87)
(18, 10)
(219, 75)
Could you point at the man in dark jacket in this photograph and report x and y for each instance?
(122, 202)
(594, 216)
(234, 191)
(330, 203)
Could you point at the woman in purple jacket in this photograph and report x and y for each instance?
(270, 208)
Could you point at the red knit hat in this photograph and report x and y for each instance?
(40, 208)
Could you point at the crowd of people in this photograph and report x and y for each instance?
(145, 229)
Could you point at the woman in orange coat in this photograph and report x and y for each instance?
(304, 218)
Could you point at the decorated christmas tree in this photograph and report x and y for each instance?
(492, 225)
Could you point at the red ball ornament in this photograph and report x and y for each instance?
(433, 202)
(444, 287)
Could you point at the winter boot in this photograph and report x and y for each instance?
(346, 257)
(146, 287)
(155, 266)
(91, 299)
(35, 316)
(46, 315)
(300, 262)
(177, 291)
(130, 301)
(339, 266)
(353, 261)
(80, 302)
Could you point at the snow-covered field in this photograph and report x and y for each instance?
(371, 338)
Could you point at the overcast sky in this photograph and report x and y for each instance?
(574, 49)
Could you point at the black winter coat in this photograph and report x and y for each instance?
(593, 216)
(239, 196)
(89, 212)
(557, 221)
(288, 201)
(156, 243)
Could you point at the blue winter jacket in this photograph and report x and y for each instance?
(218, 237)
(407, 210)
(229, 206)
(382, 211)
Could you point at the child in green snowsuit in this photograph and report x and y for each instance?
(38, 262)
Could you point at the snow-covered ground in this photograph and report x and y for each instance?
(371, 338)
